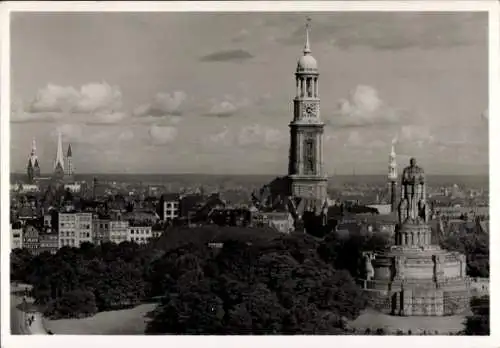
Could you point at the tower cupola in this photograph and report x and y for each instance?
(307, 63)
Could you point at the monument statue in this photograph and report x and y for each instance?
(370, 272)
(412, 206)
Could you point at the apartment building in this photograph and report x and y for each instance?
(16, 236)
(118, 231)
(169, 207)
(31, 238)
(100, 229)
(74, 229)
(49, 242)
(139, 234)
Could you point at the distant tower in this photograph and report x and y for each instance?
(305, 169)
(33, 168)
(393, 177)
(94, 187)
(59, 162)
(69, 163)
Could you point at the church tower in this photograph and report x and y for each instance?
(392, 178)
(306, 174)
(59, 162)
(33, 168)
(69, 162)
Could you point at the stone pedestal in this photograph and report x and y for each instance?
(418, 280)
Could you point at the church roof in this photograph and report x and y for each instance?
(70, 153)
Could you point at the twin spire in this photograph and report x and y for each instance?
(59, 156)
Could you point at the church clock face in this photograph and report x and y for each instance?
(309, 110)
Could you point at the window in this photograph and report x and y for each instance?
(309, 156)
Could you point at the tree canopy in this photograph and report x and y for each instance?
(475, 246)
(252, 285)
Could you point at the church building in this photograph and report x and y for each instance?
(63, 165)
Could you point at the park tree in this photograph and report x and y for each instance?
(479, 322)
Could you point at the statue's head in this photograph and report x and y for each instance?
(413, 162)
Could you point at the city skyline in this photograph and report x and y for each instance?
(218, 99)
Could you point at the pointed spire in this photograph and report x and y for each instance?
(393, 173)
(69, 154)
(59, 156)
(33, 147)
(307, 49)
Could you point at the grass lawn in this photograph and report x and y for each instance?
(122, 322)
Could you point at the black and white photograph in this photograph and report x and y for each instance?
(231, 171)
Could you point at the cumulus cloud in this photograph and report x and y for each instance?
(223, 109)
(227, 56)
(229, 106)
(92, 97)
(92, 103)
(417, 134)
(53, 98)
(258, 134)
(163, 104)
(223, 137)
(103, 118)
(98, 98)
(363, 108)
(162, 135)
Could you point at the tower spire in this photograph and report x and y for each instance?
(393, 176)
(59, 156)
(307, 48)
(33, 147)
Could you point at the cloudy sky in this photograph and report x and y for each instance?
(211, 93)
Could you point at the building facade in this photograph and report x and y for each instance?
(49, 242)
(118, 231)
(31, 239)
(169, 207)
(307, 178)
(139, 234)
(74, 229)
(16, 236)
(100, 229)
(282, 222)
